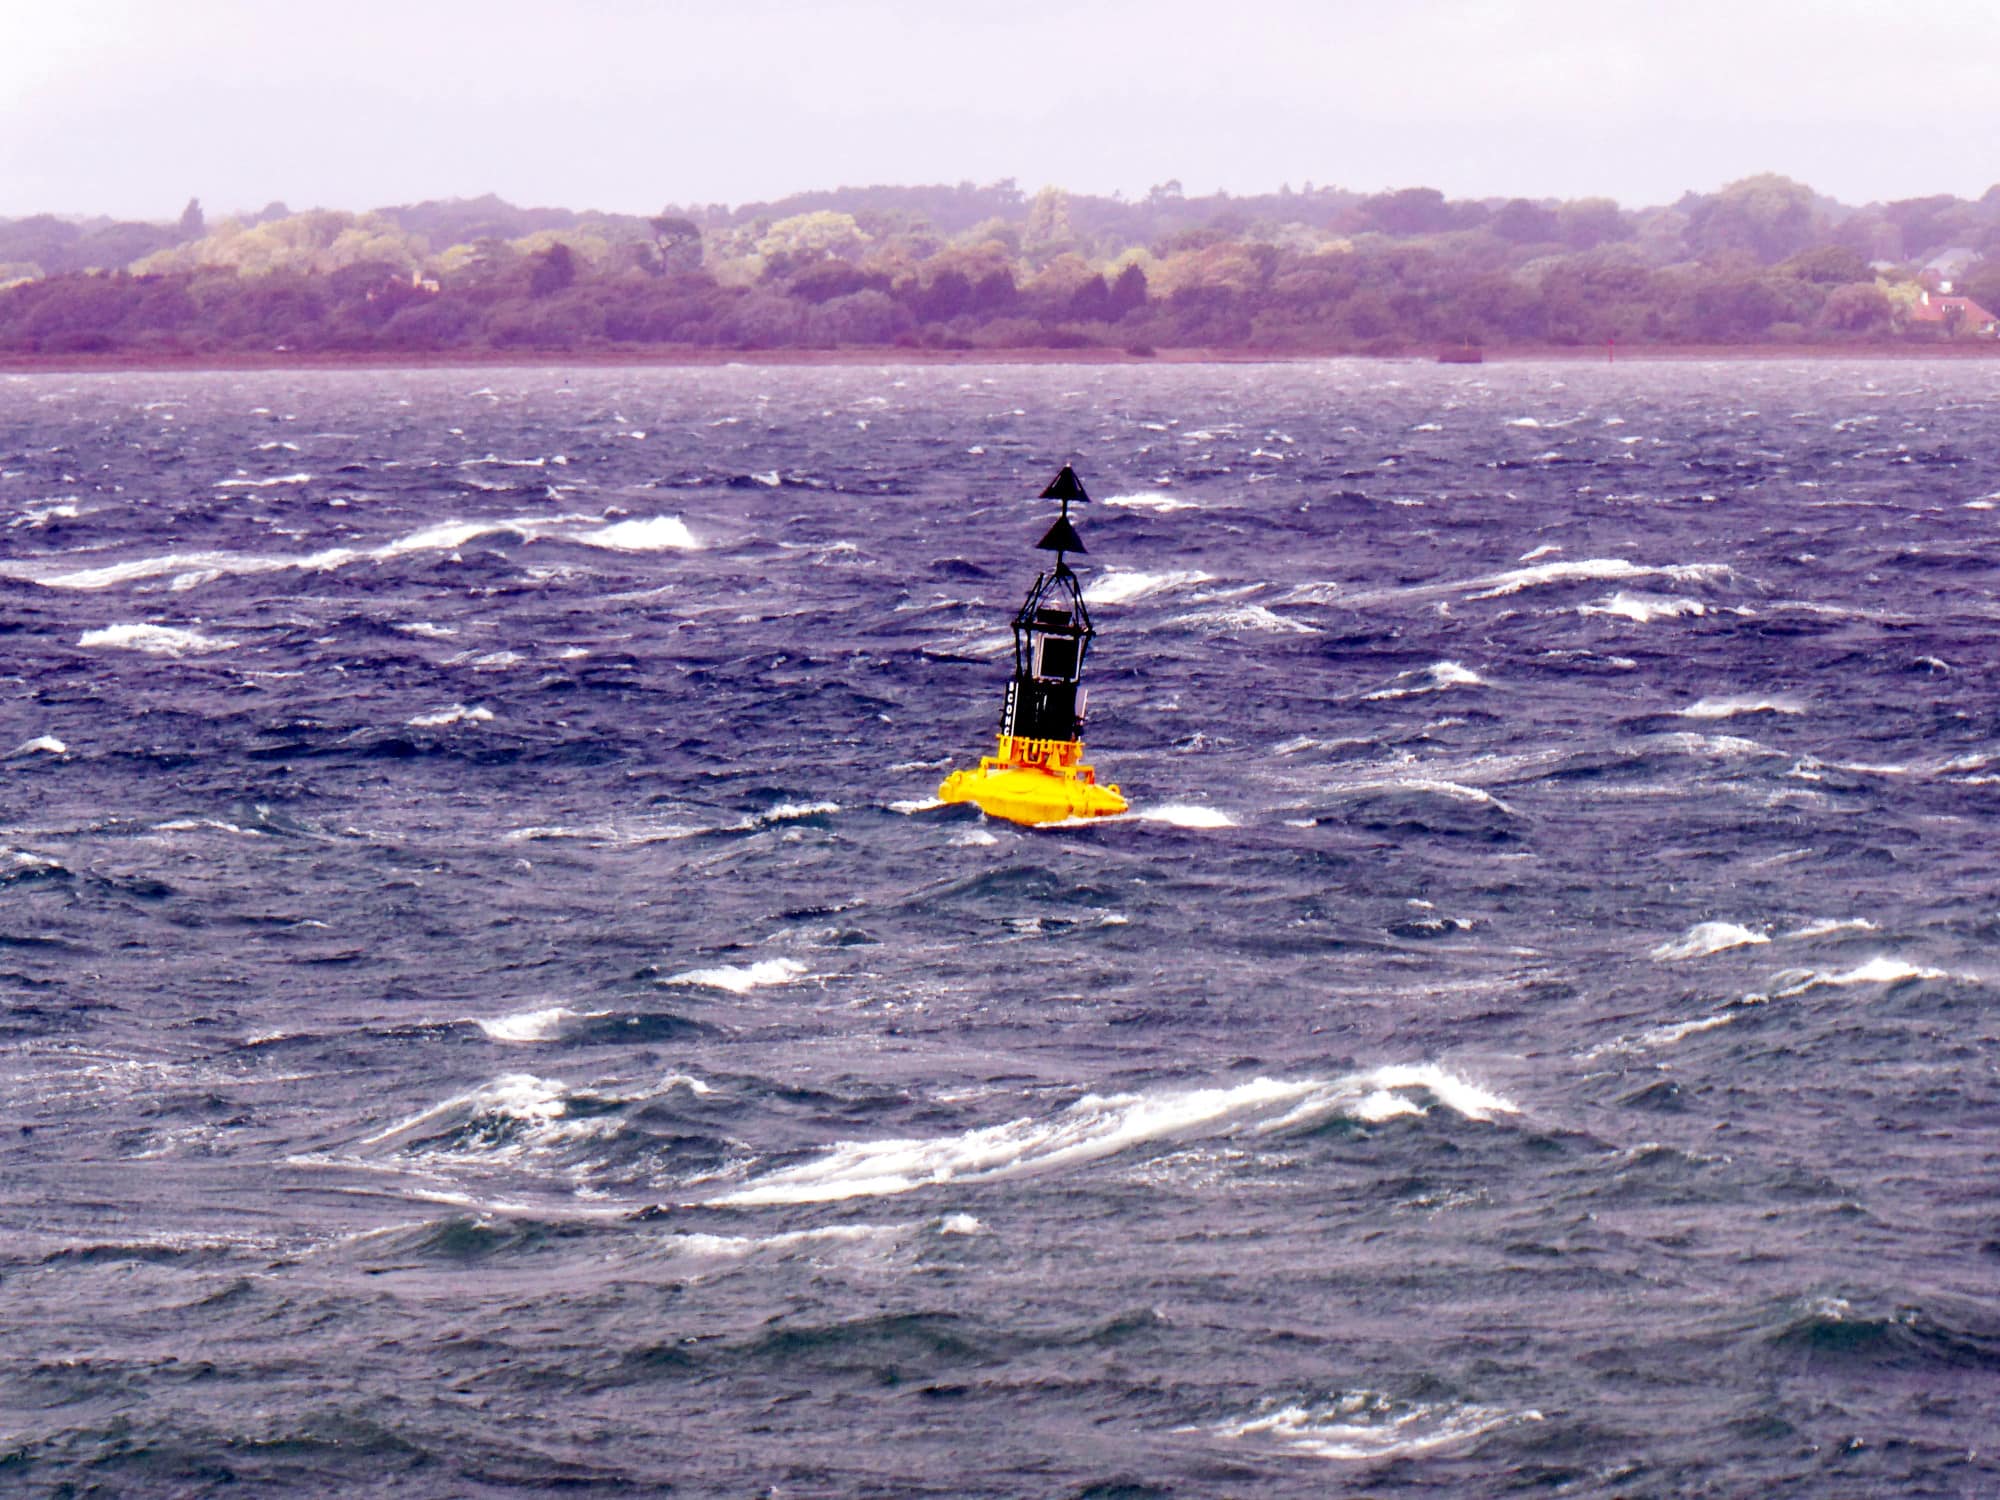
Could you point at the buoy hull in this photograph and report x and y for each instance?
(1034, 781)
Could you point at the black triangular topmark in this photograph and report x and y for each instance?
(1061, 537)
(1065, 487)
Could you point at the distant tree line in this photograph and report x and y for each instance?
(993, 268)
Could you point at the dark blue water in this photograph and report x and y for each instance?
(490, 1006)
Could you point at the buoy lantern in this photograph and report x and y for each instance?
(1038, 774)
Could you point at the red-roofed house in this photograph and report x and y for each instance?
(1955, 314)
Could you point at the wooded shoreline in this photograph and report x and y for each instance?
(1762, 268)
(643, 356)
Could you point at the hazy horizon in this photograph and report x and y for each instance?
(124, 109)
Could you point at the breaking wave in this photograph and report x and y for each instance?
(1098, 1126)
(155, 640)
(1367, 1425)
(1705, 938)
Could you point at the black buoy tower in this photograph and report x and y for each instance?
(1037, 773)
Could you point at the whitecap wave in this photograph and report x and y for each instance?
(1881, 969)
(642, 534)
(1428, 785)
(37, 516)
(1432, 679)
(736, 1246)
(1120, 586)
(1688, 743)
(1098, 1126)
(1729, 708)
(500, 1120)
(790, 812)
(1643, 609)
(1163, 504)
(155, 640)
(202, 567)
(1705, 938)
(1186, 815)
(621, 834)
(1827, 926)
(527, 1025)
(1514, 580)
(742, 978)
(1667, 1036)
(263, 484)
(41, 744)
(458, 713)
(1246, 617)
(1589, 569)
(211, 825)
(1367, 1426)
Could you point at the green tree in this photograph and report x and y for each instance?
(1128, 293)
(1927, 225)
(1830, 265)
(678, 241)
(554, 270)
(1586, 223)
(1768, 217)
(828, 279)
(1981, 282)
(1411, 211)
(1048, 230)
(1523, 223)
(791, 244)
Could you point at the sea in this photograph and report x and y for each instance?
(491, 1005)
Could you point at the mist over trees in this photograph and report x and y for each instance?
(965, 267)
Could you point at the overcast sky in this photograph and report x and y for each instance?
(129, 107)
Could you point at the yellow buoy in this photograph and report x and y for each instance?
(1034, 781)
(1038, 774)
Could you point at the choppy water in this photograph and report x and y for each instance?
(490, 1006)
